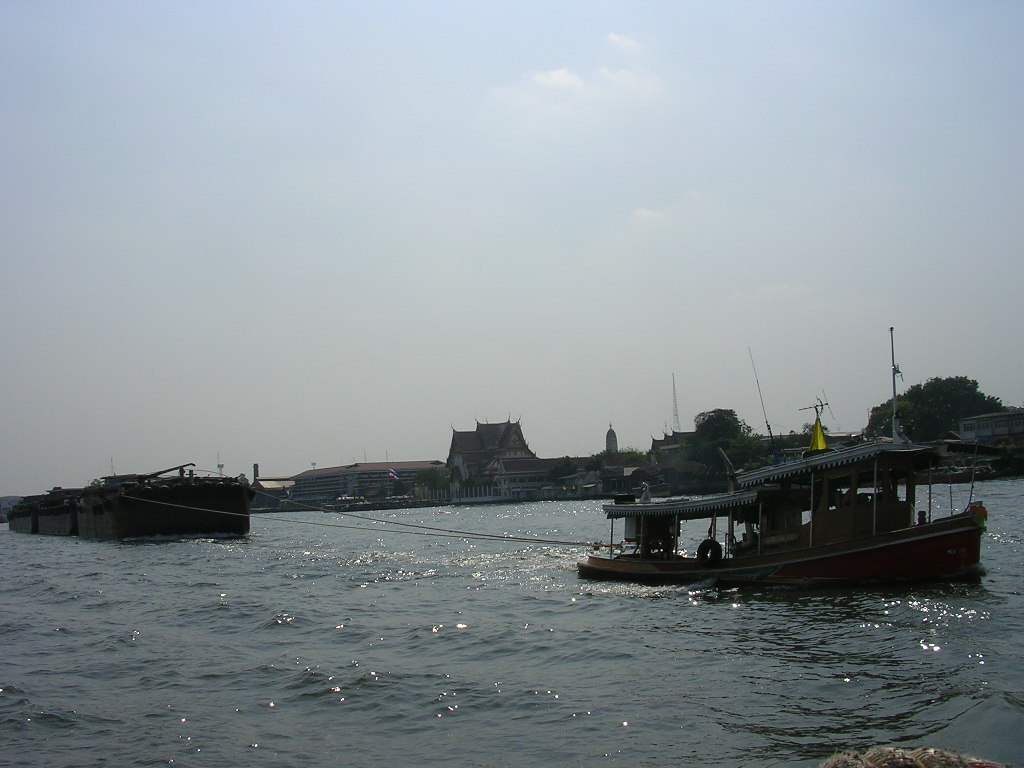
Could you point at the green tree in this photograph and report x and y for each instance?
(932, 409)
(562, 468)
(747, 451)
(627, 457)
(434, 479)
(723, 429)
(718, 424)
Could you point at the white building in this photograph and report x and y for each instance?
(995, 428)
(317, 487)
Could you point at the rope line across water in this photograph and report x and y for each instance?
(419, 528)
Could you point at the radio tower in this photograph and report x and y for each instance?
(675, 406)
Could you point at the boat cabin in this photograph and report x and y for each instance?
(826, 498)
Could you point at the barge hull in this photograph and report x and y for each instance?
(179, 509)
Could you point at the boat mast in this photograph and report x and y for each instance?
(675, 406)
(771, 438)
(898, 436)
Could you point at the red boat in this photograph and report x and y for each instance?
(854, 514)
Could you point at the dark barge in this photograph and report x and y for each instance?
(140, 506)
(54, 513)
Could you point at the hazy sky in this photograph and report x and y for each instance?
(296, 232)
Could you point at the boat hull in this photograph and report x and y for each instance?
(52, 514)
(23, 518)
(61, 521)
(948, 550)
(186, 507)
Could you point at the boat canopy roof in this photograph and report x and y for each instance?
(856, 454)
(684, 509)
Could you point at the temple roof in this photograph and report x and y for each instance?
(489, 439)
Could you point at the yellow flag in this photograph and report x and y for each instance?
(817, 437)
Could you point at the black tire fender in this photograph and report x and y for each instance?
(709, 552)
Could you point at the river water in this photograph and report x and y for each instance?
(312, 644)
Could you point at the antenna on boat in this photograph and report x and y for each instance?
(898, 435)
(771, 437)
(830, 413)
(818, 407)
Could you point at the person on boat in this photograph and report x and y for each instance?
(645, 497)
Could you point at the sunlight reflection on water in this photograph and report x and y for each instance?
(301, 643)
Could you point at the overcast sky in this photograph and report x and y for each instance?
(297, 232)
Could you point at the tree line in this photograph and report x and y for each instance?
(929, 411)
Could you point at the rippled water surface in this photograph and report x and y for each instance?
(319, 640)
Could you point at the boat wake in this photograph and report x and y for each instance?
(702, 587)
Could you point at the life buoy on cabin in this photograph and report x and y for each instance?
(709, 552)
